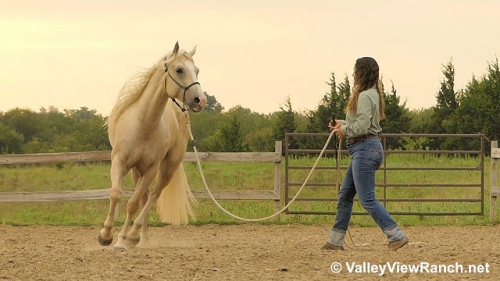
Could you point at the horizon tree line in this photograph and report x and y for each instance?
(471, 110)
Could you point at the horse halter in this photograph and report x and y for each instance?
(183, 108)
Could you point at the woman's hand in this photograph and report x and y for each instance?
(335, 124)
(339, 132)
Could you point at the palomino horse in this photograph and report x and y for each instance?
(148, 131)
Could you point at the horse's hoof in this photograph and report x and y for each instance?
(119, 248)
(104, 242)
(133, 241)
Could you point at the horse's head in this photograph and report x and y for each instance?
(181, 79)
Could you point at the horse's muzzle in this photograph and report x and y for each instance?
(198, 104)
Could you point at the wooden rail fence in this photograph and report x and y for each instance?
(98, 194)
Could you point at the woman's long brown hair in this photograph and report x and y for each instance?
(366, 75)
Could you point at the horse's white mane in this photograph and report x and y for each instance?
(134, 87)
(129, 93)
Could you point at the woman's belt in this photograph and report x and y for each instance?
(361, 138)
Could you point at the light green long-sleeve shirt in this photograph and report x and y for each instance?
(366, 119)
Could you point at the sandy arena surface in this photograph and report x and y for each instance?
(243, 252)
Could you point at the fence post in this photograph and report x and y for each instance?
(495, 190)
(278, 149)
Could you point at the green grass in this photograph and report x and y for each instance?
(251, 176)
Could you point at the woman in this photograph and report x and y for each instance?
(361, 129)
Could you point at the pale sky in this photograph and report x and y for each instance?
(75, 53)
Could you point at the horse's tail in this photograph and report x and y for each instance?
(174, 203)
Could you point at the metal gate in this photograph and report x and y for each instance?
(411, 181)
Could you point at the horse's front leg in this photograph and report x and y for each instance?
(118, 171)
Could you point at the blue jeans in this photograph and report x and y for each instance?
(366, 157)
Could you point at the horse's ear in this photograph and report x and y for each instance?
(176, 48)
(193, 51)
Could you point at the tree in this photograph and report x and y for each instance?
(419, 119)
(397, 119)
(340, 100)
(332, 104)
(88, 130)
(212, 106)
(10, 140)
(480, 106)
(24, 121)
(203, 125)
(285, 123)
(261, 140)
(228, 138)
(447, 103)
(447, 97)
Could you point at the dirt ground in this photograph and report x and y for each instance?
(246, 252)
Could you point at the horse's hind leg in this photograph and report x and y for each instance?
(117, 173)
(134, 236)
(132, 207)
(144, 234)
(135, 180)
(142, 219)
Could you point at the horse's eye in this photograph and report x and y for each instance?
(179, 70)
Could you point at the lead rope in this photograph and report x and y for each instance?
(258, 219)
(198, 162)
